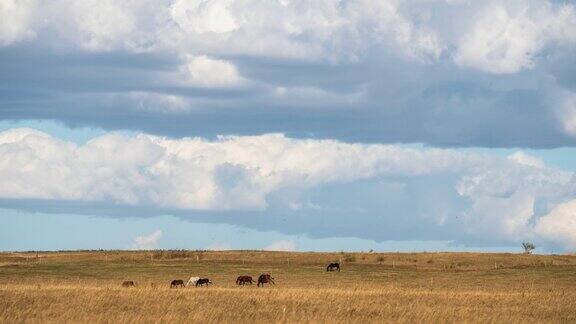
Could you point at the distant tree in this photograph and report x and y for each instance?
(528, 247)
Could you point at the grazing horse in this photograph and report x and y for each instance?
(333, 266)
(244, 280)
(203, 281)
(128, 283)
(265, 278)
(192, 281)
(177, 283)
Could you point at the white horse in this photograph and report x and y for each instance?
(192, 281)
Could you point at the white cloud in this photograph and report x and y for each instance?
(559, 225)
(506, 37)
(281, 245)
(207, 72)
(204, 16)
(505, 195)
(323, 30)
(16, 21)
(502, 37)
(526, 159)
(191, 173)
(147, 242)
(102, 24)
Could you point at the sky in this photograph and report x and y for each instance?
(351, 125)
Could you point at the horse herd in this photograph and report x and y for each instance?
(241, 280)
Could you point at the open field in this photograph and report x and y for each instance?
(372, 287)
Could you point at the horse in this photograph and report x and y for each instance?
(244, 280)
(265, 278)
(177, 283)
(333, 266)
(192, 281)
(128, 283)
(203, 281)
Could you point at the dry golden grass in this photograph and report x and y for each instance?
(390, 287)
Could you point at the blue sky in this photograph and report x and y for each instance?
(288, 125)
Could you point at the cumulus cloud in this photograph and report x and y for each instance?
(204, 16)
(453, 194)
(208, 72)
(281, 245)
(526, 159)
(147, 242)
(16, 21)
(507, 37)
(446, 73)
(232, 173)
(560, 224)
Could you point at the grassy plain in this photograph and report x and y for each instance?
(372, 287)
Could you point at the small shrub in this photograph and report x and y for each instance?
(380, 259)
(528, 247)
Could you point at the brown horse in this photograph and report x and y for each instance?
(177, 283)
(128, 283)
(265, 278)
(203, 281)
(333, 266)
(242, 280)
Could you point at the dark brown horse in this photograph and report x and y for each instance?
(265, 278)
(177, 283)
(333, 266)
(242, 280)
(128, 283)
(203, 281)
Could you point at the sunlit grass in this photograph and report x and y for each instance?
(439, 287)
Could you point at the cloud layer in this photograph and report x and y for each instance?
(315, 187)
(447, 73)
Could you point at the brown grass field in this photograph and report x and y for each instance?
(372, 287)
